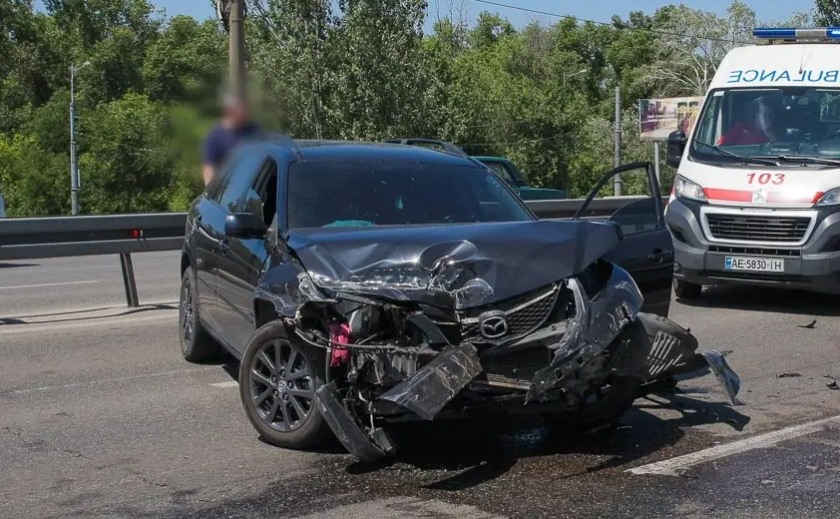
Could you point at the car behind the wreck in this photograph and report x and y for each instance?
(392, 283)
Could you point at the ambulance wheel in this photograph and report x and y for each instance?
(686, 290)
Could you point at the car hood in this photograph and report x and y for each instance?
(463, 265)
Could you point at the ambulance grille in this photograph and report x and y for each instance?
(756, 228)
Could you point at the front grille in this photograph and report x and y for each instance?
(756, 251)
(758, 228)
(524, 314)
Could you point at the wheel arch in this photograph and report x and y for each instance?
(264, 312)
(185, 262)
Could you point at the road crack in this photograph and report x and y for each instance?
(38, 445)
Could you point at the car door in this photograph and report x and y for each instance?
(647, 250)
(207, 228)
(208, 221)
(244, 258)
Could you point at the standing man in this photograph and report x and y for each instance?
(236, 126)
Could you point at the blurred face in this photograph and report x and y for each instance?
(236, 113)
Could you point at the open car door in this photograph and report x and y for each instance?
(646, 251)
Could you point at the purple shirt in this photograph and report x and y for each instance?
(221, 141)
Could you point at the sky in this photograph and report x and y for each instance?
(593, 10)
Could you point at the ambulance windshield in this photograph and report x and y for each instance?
(770, 123)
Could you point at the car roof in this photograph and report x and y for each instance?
(349, 150)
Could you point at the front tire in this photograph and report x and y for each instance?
(686, 290)
(277, 383)
(196, 343)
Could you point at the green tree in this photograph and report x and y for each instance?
(379, 82)
(827, 12)
(131, 169)
(186, 63)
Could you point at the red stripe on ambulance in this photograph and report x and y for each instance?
(773, 197)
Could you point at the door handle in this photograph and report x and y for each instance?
(224, 246)
(659, 255)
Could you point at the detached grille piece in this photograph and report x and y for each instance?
(515, 369)
(664, 355)
(758, 228)
(524, 314)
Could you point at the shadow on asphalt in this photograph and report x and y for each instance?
(4, 265)
(87, 314)
(767, 300)
(477, 451)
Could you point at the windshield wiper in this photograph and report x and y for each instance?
(804, 160)
(734, 156)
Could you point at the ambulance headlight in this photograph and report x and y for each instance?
(684, 188)
(832, 197)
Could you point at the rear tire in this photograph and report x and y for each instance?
(686, 290)
(196, 343)
(277, 383)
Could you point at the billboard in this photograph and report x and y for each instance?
(659, 117)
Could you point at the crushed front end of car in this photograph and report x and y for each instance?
(414, 328)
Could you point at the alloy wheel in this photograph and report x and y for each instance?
(281, 385)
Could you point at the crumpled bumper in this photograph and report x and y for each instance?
(607, 335)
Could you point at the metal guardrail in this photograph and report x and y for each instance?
(64, 236)
(125, 234)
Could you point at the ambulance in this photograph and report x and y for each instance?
(756, 199)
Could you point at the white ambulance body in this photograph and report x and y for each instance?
(757, 195)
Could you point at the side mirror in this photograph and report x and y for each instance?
(676, 147)
(245, 225)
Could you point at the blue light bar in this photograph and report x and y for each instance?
(820, 33)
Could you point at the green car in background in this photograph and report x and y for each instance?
(511, 174)
(499, 165)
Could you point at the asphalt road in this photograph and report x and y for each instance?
(100, 417)
(89, 282)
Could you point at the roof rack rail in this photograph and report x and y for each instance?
(285, 141)
(446, 147)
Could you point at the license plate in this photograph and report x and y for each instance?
(754, 264)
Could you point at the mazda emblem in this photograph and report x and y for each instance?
(493, 325)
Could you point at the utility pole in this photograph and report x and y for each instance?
(619, 184)
(237, 48)
(74, 159)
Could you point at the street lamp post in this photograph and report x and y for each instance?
(74, 161)
(567, 76)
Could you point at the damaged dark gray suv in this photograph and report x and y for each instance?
(361, 284)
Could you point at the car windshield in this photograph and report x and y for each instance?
(367, 193)
(797, 124)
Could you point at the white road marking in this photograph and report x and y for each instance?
(404, 507)
(58, 284)
(108, 380)
(678, 465)
(229, 383)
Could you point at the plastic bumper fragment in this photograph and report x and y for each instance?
(729, 381)
(434, 385)
(352, 437)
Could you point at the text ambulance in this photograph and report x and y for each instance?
(757, 195)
